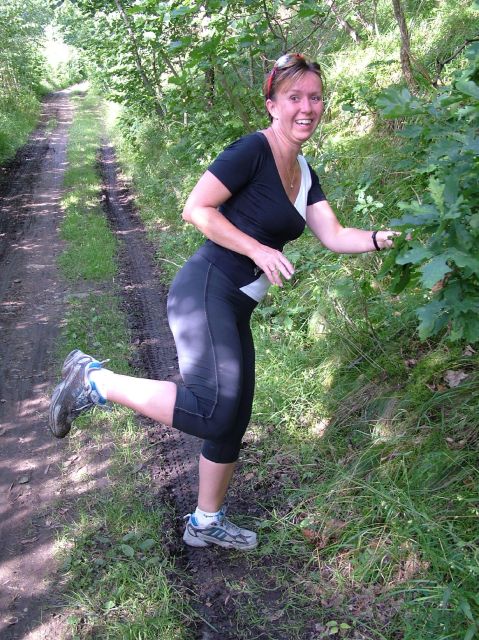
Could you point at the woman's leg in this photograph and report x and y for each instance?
(204, 312)
(214, 480)
(152, 398)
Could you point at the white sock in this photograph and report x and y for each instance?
(100, 378)
(204, 518)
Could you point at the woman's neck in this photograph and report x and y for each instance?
(289, 148)
(286, 158)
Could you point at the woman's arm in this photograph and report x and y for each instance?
(322, 221)
(201, 209)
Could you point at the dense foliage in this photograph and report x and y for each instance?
(444, 222)
(22, 24)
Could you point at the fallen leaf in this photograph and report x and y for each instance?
(127, 550)
(309, 534)
(147, 544)
(454, 378)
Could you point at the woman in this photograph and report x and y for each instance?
(256, 196)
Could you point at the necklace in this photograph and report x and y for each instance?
(290, 177)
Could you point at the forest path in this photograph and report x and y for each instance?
(33, 464)
(32, 296)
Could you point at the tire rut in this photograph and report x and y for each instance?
(32, 296)
(174, 471)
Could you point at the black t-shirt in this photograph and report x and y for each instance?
(259, 205)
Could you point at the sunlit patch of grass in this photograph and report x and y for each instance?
(92, 246)
(116, 555)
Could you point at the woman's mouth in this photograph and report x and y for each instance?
(304, 122)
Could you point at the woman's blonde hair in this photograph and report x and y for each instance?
(288, 68)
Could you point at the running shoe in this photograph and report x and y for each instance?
(75, 394)
(73, 358)
(222, 532)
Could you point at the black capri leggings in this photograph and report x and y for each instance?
(209, 317)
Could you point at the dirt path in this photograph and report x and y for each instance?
(32, 305)
(31, 301)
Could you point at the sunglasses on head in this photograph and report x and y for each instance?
(281, 62)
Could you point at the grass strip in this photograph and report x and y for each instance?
(92, 247)
(120, 576)
(18, 117)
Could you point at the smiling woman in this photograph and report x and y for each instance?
(257, 195)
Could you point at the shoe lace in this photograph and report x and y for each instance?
(230, 527)
(86, 405)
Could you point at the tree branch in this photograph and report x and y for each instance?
(440, 64)
(271, 28)
(136, 53)
(344, 24)
(297, 47)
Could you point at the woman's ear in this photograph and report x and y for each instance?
(271, 107)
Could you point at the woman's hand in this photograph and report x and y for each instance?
(273, 263)
(385, 239)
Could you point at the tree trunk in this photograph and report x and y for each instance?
(210, 85)
(144, 78)
(235, 101)
(405, 54)
(343, 23)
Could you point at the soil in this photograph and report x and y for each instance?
(31, 307)
(32, 462)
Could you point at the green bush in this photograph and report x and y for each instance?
(438, 251)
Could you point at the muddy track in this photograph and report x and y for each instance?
(31, 301)
(174, 468)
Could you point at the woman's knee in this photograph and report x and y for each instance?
(221, 452)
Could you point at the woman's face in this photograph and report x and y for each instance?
(297, 107)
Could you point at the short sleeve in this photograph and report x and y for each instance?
(237, 165)
(315, 194)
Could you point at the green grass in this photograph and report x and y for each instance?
(361, 454)
(118, 568)
(18, 117)
(92, 247)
